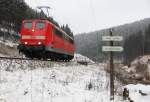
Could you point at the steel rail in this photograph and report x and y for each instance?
(42, 60)
(26, 59)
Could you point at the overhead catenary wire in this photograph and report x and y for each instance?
(31, 85)
(31, 81)
(92, 13)
(0, 79)
(94, 24)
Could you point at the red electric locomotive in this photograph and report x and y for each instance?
(42, 39)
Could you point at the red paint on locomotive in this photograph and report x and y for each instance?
(37, 33)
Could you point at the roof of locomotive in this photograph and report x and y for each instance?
(44, 20)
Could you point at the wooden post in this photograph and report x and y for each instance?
(111, 71)
(111, 49)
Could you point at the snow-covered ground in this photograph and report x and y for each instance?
(36, 81)
(55, 84)
(136, 96)
(79, 57)
(23, 81)
(139, 68)
(7, 43)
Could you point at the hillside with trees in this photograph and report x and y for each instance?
(12, 12)
(136, 42)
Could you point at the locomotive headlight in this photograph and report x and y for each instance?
(25, 43)
(39, 43)
(33, 30)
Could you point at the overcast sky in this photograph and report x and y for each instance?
(90, 15)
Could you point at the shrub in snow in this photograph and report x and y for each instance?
(142, 93)
(90, 86)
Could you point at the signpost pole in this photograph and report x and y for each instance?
(111, 49)
(111, 71)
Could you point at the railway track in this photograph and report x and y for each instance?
(29, 59)
(42, 60)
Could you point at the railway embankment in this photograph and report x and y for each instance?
(137, 72)
(8, 48)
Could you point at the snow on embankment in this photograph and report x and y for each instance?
(23, 81)
(78, 57)
(13, 65)
(139, 69)
(57, 85)
(8, 43)
(138, 72)
(8, 48)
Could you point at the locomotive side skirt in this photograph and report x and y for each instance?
(58, 51)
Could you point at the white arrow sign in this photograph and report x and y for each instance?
(112, 38)
(112, 48)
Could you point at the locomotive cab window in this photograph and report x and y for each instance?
(40, 25)
(28, 25)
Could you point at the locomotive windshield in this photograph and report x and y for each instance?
(40, 25)
(28, 25)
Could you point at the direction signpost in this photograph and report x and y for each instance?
(112, 38)
(112, 49)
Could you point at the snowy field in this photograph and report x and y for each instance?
(136, 95)
(57, 84)
(7, 43)
(23, 81)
